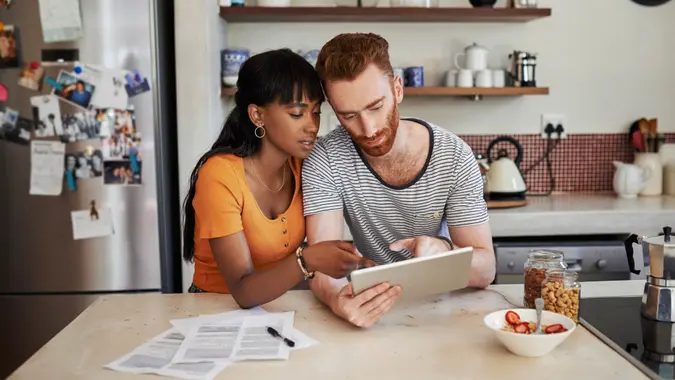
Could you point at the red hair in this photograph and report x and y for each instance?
(349, 54)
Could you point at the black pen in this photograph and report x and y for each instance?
(276, 334)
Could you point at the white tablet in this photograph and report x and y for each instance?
(419, 277)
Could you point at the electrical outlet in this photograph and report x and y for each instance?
(555, 120)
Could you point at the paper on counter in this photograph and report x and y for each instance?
(61, 20)
(184, 325)
(47, 167)
(156, 356)
(255, 343)
(239, 337)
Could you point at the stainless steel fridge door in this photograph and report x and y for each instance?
(37, 249)
(29, 322)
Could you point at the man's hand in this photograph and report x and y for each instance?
(421, 246)
(367, 307)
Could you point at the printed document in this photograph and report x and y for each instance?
(156, 355)
(241, 337)
(61, 20)
(47, 161)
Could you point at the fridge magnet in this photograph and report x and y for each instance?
(119, 172)
(71, 165)
(80, 126)
(120, 134)
(32, 76)
(92, 223)
(5, 3)
(47, 165)
(10, 117)
(109, 85)
(93, 212)
(46, 116)
(136, 84)
(9, 50)
(3, 93)
(73, 89)
(61, 20)
(18, 133)
(88, 164)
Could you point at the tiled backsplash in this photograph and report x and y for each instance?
(581, 163)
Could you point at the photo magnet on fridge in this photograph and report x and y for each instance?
(88, 163)
(80, 126)
(18, 133)
(5, 3)
(74, 90)
(32, 76)
(109, 85)
(46, 116)
(9, 47)
(136, 84)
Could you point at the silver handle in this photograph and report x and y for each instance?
(574, 265)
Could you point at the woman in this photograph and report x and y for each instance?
(244, 222)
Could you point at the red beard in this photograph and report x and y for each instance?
(388, 135)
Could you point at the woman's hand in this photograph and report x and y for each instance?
(334, 258)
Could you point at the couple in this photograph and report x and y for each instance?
(396, 182)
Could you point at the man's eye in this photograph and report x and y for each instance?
(349, 117)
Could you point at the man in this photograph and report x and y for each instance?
(393, 180)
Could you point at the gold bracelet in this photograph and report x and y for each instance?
(301, 263)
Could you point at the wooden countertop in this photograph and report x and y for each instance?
(442, 338)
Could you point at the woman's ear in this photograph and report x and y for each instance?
(256, 114)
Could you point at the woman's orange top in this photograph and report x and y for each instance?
(225, 205)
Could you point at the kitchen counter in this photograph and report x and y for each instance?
(434, 340)
(580, 214)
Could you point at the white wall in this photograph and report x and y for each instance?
(607, 62)
(200, 35)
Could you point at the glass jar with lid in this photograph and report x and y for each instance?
(538, 262)
(561, 292)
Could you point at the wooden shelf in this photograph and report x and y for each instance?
(373, 14)
(474, 91)
(451, 91)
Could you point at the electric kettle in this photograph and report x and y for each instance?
(504, 181)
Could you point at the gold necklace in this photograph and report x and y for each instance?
(283, 178)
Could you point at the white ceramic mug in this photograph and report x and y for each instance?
(498, 78)
(451, 78)
(484, 78)
(465, 78)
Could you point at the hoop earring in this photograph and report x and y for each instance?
(257, 132)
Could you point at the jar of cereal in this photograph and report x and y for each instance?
(538, 262)
(561, 291)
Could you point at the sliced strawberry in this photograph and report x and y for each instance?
(512, 318)
(522, 328)
(552, 329)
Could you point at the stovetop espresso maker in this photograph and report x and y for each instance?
(659, 293)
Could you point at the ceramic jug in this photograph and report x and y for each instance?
(475, 58)
(629, 179)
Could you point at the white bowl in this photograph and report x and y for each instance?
(530, 345)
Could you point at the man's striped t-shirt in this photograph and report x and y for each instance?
(448, 189)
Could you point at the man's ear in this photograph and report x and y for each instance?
(398, 89)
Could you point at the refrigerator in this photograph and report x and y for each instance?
(47, 278)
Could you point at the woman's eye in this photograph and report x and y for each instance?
(296, 116)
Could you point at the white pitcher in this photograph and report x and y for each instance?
(629, 179)
(475, 58)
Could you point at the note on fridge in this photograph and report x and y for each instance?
(47, 166)
(61, 20)
(110, 90)
(92, 223)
